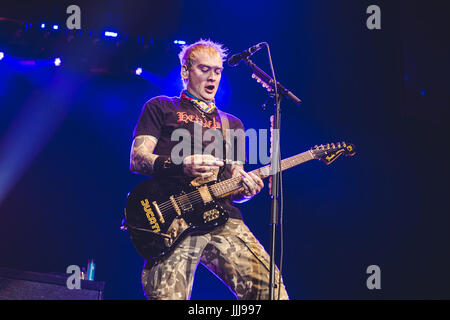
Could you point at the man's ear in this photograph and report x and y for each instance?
(184, 72)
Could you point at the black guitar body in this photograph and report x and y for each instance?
(160, 213)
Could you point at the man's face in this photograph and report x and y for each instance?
(203, 77)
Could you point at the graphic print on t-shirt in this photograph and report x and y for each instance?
(194, 118)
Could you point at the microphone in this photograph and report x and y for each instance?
(235, 59)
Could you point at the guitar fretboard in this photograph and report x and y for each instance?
(228, 186)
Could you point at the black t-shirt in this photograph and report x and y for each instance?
(161, 115)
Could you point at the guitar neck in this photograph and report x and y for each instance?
(223, 188)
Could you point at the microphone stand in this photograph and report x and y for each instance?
(276, 190)
(273, 87)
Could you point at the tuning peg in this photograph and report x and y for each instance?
(333, 146)
(344, 144)
(338, 144)
(321, 146)
(328, 146)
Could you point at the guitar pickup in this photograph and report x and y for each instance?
(158, 212)
(211, 215)
(205, 194)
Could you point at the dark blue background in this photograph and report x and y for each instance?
(67, 135)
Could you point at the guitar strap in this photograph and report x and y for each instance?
(226, 138)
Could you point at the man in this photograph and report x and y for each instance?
(229, 251)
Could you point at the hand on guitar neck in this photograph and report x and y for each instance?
(252, 184)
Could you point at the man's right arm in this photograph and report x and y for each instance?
(142, 157)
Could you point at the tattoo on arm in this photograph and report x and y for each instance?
(142, 157)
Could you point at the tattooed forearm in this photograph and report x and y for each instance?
(142, 156)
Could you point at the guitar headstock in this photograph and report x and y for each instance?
(331, 151)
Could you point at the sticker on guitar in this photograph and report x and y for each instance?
(150, 216)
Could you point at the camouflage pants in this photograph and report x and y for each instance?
(231, 252)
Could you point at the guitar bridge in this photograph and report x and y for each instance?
(184, 202)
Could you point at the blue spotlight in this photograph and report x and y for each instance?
(42, 25)
(57, 62)
(138, 71)
(55, 27)
(179, 42)
(111, 34)
(2, 55)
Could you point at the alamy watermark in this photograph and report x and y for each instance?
(373, 22)
(255, 151)
(74, 20)
(374, 280)
(74, 280)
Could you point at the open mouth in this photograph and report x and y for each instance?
(209, 89)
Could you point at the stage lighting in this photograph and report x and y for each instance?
(42, 25)
(111, 34)
(57, 62)
(179, 42)
(139, 71)
(55, 27)
(2, 55)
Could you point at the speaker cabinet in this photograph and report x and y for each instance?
(26, 285)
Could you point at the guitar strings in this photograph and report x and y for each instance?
(194, 197)
(194, 194)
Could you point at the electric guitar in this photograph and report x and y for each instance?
(160, 212)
